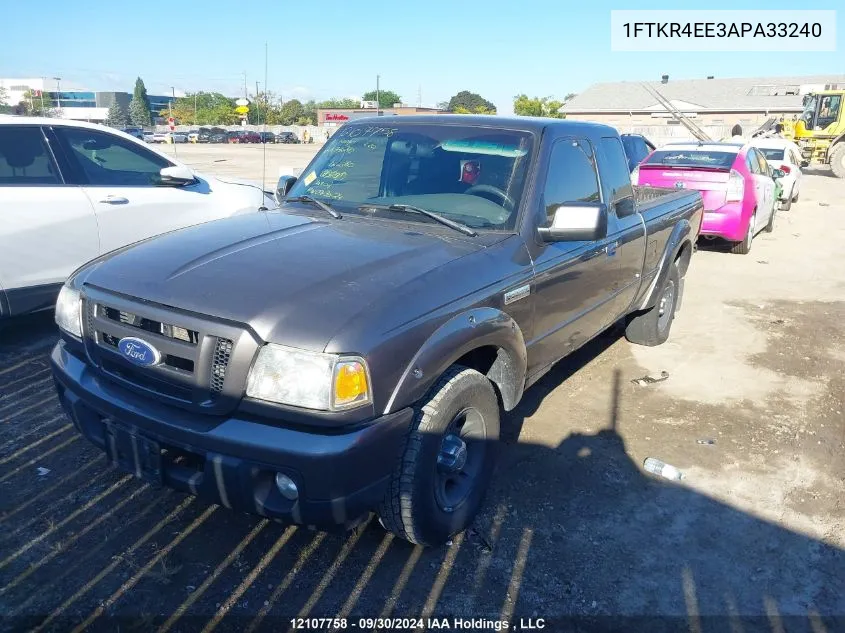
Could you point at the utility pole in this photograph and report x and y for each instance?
(257, 106)
(419, 96)
(170, 105)
(245, 95)
(195, 108)
(41, 93)
(378, 96)
(58, 92)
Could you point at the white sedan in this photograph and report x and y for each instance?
(71, 191)
(785, 155)
(175, 137)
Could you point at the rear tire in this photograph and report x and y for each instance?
(795, 197)
(744, 247)
(437, 487)
(786, 204)
(652, 327)
(837, 160)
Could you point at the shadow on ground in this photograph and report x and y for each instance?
(575, 534)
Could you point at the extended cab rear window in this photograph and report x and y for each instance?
(692, 158)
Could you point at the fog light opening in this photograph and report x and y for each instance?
(287, 487)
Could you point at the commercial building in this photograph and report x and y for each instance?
(71, 101)
(335, 117)
(715, 105)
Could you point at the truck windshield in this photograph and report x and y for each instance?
(692, 159)
(809, 112)
(474, 175)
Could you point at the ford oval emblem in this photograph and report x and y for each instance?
(139, 352)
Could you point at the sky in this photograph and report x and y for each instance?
(425, 51)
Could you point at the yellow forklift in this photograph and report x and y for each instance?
(819, 131)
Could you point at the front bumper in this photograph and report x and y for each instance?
(232, 461)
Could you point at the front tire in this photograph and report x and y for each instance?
(442, 475)
(651, 328)
(770, 225)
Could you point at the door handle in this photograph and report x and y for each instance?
(610, 249)
(115, 200)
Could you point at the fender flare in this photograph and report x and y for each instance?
(680, 236)
(464, 332)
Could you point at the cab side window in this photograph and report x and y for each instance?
(617, 177)
(571, 176)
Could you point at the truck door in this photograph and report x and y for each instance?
(573, 280)
(625, 227)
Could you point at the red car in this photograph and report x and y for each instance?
(244, 136)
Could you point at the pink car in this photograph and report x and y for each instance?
(734, 179)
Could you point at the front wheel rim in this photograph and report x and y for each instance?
(460, 459)
(664, 307)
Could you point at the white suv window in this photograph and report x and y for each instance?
(25, 158)
(108, 160)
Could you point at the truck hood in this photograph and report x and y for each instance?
(294, 280)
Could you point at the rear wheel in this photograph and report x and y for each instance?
(441, 477)
(652, 328)
(837, 159)
(744, 247)
(786, 203)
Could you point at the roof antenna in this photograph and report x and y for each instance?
(264, 126)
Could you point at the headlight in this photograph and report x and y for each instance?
(327, 382)
(69, 311)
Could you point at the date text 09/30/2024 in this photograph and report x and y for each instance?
(417, 624)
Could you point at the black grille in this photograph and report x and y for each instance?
(149, 325)
(222, 352)
(147, 381)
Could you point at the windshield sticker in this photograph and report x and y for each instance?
(483, 147)
(310, 178)
(363, 131)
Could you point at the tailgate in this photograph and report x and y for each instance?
(712, 183)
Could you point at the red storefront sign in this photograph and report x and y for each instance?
(331, 116)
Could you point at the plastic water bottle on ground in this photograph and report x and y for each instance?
(662, 469)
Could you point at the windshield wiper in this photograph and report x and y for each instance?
(452, 224)
(317, 203)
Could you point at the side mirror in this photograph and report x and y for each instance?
(575, 222)
(778, 173)
(178, 176)
(285, 184)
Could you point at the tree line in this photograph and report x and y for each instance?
(214, 108)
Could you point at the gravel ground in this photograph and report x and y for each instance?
(753, 537)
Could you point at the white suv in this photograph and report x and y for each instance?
(71, 191)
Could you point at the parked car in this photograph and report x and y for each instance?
(786, 156)
(193, 136)
(637, 147)
(286, 137)
(206, 135)
(175, 137)
(137, 132)
(155, 137)
(94, 190)
(266, 137)
(235, 136)
(250, 137)
(149, 137)
(456, 280)
(734, 180)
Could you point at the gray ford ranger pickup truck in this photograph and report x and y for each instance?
(353, 350)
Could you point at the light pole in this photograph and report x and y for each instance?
(170, 105)
(378, 95)
(58, 92)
